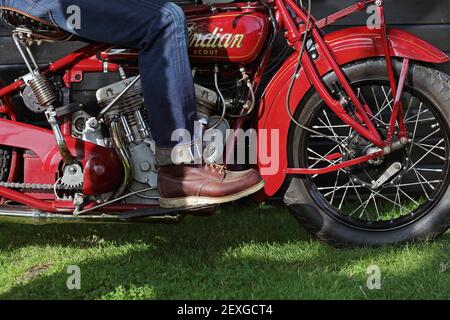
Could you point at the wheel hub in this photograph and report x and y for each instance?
(368, 174)
(377, 161)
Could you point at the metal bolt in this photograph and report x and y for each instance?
(145, 166)
(72, 170)
(78, 201)
(404, 141)
(93, 123)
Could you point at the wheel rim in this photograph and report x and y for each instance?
(348, 194)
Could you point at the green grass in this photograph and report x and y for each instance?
(244, 252)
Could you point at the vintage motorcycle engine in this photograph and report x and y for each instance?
(137, 146)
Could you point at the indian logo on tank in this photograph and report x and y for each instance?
(208, 43)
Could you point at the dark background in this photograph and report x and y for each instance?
(429, 19)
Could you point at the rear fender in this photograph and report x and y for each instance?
(348, 45)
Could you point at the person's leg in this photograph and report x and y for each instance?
(158, 29)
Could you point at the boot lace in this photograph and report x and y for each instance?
(216, 167)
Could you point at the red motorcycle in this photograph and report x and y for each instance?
(353, 126)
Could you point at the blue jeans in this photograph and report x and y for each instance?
(158, 29)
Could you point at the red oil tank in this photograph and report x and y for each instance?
(236, 37)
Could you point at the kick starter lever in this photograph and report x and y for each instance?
(60, 141)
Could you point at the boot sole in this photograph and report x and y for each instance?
(171, 203)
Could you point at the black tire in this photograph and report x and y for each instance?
(310, 210)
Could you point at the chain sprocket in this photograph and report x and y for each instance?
(72, 176)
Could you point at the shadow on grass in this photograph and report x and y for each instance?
(233, 224)
(242, 253)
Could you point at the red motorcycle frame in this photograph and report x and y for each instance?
(333, 51)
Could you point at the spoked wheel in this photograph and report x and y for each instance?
(401, 197)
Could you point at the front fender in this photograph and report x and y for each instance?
(348, 45)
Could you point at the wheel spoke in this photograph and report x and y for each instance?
(386, 104)
(412, 184)
(429, 136)
(422, 185)
(411, 199)
(429, 170)
(335, 186)
(421, 121)
(415, 127)
(424, 180)
(429, 146)
(409, 108)
(418, 114)
(376, 208)
(423, 157)
(427, 149)
(345, 194)
(365, 207)
(399, 204)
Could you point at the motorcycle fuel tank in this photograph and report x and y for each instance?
(236, 37)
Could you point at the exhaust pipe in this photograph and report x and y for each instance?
(23, 215)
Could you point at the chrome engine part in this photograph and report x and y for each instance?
(213, 149)
(87, 128)
(30, 100)
(79, 120)
(129, 109)
(216, 128)
(130, 133)
(206, 100)
(93, 132)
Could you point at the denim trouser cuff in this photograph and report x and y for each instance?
(180, 154)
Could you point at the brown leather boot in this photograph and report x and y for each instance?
(186, 186)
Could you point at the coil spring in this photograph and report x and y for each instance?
(44, 90)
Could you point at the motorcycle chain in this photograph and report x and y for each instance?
(35, 186)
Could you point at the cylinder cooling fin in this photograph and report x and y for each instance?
(129, 109)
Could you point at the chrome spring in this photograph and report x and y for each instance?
(44, 90)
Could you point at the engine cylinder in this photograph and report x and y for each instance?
(129, 108)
